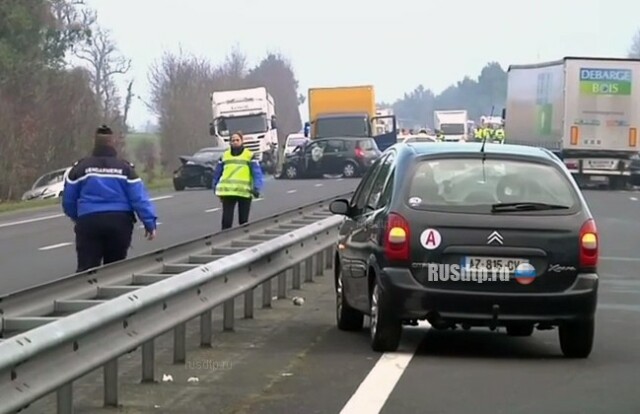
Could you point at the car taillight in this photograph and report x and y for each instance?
(359, 153)
(589, 245)
(396, 238)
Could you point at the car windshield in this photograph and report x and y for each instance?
(208, 154)
(249, 124)
(294, 142)
(50, 179)
(471, 185)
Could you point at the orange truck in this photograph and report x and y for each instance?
(347, 111)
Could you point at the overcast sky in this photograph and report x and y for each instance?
(394, 45)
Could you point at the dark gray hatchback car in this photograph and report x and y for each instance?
(470, 236)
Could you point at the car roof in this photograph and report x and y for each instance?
(420, 148)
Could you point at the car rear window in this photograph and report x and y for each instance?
(471, 185)
(366, 144)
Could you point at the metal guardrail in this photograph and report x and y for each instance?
(42, 304)
(96, 336)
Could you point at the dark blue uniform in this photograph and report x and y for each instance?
(102, 194)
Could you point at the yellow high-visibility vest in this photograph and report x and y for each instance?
(236, 179)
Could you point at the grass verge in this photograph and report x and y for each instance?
(160, 184)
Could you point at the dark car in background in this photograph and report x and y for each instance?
(197, 170)
(346, 156)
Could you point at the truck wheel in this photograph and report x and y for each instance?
(386, 329)
(617, 183)
(576, 338)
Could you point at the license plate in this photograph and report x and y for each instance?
(599, 179)
(601, 164)
(493, 264)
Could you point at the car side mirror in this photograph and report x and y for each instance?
(340, 206)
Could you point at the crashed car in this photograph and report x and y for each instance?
(197, 170)
(50, 185)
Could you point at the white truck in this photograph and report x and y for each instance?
(585, 110)
(252, 112)
(452, 124)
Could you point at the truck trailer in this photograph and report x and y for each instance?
(584, 109)
(252, 112)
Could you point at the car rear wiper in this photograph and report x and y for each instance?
(526, 206)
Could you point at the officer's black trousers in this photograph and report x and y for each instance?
(228, 210)
(102, 238)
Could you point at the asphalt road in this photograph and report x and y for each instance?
(292, 359)
(38, 247)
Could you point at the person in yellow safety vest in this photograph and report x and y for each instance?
(237, 179)
(439, 135)
(478, 133)
(498, 135)
(487, 133)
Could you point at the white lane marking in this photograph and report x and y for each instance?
(55, 246)
(340, 179)
(259, 199)
(55, 216)
(291, 191)
(211, 210)
(31, 220)
(319, 185)
(142, 225)
(373, 392)
(633, 198)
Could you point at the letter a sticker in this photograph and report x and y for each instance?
(430, 239)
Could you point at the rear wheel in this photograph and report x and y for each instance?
(349, 170)
(348, 319)
(386, 329)
(178, 185)
(291, 172)
(576, 338)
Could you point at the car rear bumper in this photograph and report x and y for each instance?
(411, 300)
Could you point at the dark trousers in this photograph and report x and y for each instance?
(103, 238)
(228, 210)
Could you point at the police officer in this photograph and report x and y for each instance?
(478, 133)
(237, 179)
(102, 194)
(439, 136)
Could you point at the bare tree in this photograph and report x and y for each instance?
(105, 62)
(634, 50)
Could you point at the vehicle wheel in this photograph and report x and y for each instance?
(349, 170)
(386, 329)
(178, 185)
(291, 172)
(576, 338)
(520, 330)
(348, 319)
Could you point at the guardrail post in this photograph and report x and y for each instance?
(64, 398)
(266, 294)
(248, 304)
(180, 344)
(328, 258)
(308, 270)
(319, 261)
(148, 361)
(228, 318)
(295, 279)
(111, 383)
(206, 329)
(282, 285)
